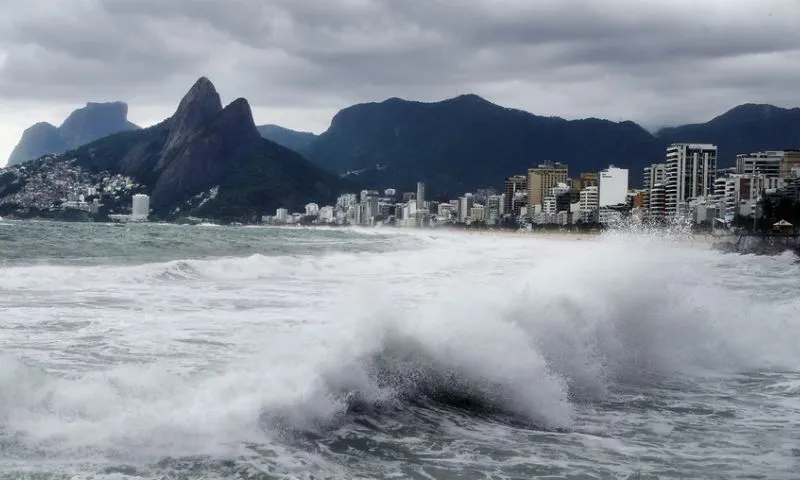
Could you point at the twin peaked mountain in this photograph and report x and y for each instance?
(203, 146)
(455, 145)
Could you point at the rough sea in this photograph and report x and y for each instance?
(156, 351)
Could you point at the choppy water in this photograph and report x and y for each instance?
(155, 351)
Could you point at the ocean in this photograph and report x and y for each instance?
(161, 351)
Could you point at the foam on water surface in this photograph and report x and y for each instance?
(432, 352)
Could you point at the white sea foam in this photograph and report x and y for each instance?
(202, 356)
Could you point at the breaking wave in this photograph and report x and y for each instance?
(526, 341)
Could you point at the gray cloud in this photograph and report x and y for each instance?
(653, 61)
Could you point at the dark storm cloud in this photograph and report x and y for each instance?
(652, 60)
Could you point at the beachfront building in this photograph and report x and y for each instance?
(327, 214)
(654, 178)
(691, 169)
(612, 187)
(589, 198)
(542, 179)
(140, 208)
(312, 209)
(465, 204)
(766, 163)
(516, 195)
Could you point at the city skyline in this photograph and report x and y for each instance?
(299, 62)
(687, 185)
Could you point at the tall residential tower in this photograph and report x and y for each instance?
(690, 173)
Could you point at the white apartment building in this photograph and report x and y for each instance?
(282, 215)
(588, 204)
(326, 214)
(653, 175)
(312, 209)
(465, 204)
(420, 196)
(656, 201)
(690, 174)
(612, 186)
(140, 208)
(477, 214)
(344, 202)
(763, 163)
(494, 209)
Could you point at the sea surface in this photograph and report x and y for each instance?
(159, 351)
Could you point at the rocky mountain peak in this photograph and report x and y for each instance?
(201, 104)
(240, 116)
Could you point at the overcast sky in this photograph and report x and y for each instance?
(657, 62)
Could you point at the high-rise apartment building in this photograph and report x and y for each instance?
(543, 178)
(654, 174)
(654, 178)
(515, 186)
(465, 204)
(690, 174)
(613, 186)
(763, 163)
(420, 196)
(588, 204)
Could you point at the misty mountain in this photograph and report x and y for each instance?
(94, 121)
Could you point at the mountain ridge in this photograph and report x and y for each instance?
(466, 142)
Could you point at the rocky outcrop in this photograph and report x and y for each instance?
(37, 140)
(84, 125)
(197, 107)
(95, 120)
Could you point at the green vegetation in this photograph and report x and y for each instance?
(771, 211)
(272, 178)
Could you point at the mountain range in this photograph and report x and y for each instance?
(464, 143)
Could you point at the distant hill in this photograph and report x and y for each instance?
(466, 142)
(743, 129)
(95, 120)
(204, 148)
(292, 139)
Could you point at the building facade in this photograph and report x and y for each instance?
(516, 187)
(140, 208)
(691, 169)
(588, 204)
(613, 186)
(543, 178)
(764, 163)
